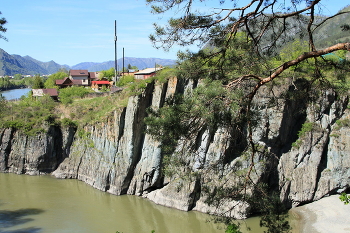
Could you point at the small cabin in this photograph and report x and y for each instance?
(146, 73)
(52, 92)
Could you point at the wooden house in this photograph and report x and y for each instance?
(62, 83)
(52, 92)
(81, 77)
(146, 73)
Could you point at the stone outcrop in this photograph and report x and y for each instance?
(120, 158)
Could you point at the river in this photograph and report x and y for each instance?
(43, 204)
(15, 93)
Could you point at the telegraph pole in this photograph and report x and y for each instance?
(123, 63)
(115, 50)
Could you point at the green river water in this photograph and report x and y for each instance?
(43, 204)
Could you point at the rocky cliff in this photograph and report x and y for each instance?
(119, 158)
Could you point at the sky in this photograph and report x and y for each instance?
(74, 31)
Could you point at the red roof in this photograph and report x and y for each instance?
(78, 73)
(41, 92)
(100, 82)
(63, 81)
(51, 91)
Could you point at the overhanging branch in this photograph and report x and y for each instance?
(303, 57)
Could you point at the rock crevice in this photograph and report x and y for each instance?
(120, 158)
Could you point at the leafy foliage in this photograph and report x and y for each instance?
(184, 116)
(107, 74)
(232, 228)
(274, 214)
(3, 104)
(2, 28)
(5, 83)
(38, 82)
(30, 115)
(67, 95)
(51, 80)
(124, 80)
(68, 122)
(345, 198)
(246, 47)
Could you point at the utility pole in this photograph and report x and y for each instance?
(115, 50)
(123, 62)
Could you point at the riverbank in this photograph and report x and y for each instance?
(13, 87)
(326, 215)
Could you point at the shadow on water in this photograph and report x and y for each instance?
(12, 218)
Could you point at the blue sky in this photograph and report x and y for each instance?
(74, 31)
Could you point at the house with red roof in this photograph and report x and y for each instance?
(84, 78)
(76, 78)
(94, 76)
(52, 92)
(66, 82)
(101, 83)
(146, 73)
(79, 77)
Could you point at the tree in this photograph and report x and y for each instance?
(107, 74)
(243, 49)
(5, 82)
(130, 67)
(2, 28)
(38, 82)
(51, 80)
(3, 104)
(17, 77)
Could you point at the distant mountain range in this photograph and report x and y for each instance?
(327, 34)
(16, 64)
(140, 63)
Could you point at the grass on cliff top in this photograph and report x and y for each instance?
(33, 115)
(93, 110)
(29, 114)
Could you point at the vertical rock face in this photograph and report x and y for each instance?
(118, 157)
(42, 153)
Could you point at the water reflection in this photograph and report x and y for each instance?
(11, 218)
(65, 206)
(73, 206)
(15, 93)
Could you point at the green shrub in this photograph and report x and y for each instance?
(125, 80)
(345, 198)
(342, 123)
(67, 95)
(68, 122)
(164, 74)
(306, 127)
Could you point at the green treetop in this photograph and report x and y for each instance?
(2, 28)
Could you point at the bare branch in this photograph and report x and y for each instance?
(328, 18)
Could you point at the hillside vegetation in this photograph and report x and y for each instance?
(331, 31)
(76, 107)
